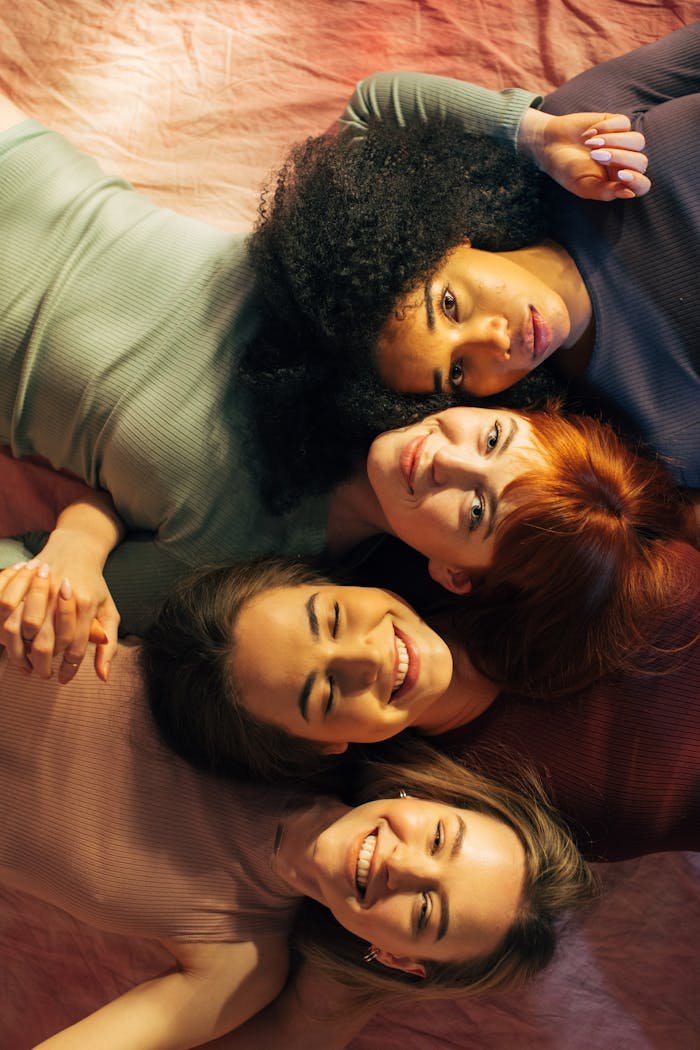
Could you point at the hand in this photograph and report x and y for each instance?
(593, 155)
(41, 617)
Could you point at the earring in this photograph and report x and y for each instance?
(370, 955)
(506, 356)
(402, 794)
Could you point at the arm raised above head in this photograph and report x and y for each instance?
(556, 145)
(405, 98)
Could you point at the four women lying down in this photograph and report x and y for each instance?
(560, 550)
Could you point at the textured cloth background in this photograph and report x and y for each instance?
(195, 102)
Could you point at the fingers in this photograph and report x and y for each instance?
(79, 616)
(105, 653)
(630, 184)
(15, 582)
(608, 122)
(22, 609)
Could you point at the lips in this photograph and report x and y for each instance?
(410, 458)
(406, 666)
(542, 334)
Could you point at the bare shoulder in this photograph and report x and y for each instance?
(10, 114)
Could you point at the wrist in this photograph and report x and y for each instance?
(531, 135)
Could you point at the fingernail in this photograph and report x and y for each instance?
(597, 141)
(44, 571)
(65, 590)
(601, 155)
(32, 564)
(625, 176)
(106, 670)
(20, 565)
(591, 131)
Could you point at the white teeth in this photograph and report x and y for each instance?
(402, 663)
(364, 859)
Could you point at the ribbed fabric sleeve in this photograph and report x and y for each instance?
(119, 327)
(640, 259)
(403, 98)
(101, 820)
(622, 760)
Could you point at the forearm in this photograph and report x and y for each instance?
(311, 1011)
(402, 98)
(93, 523)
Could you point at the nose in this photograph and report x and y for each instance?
(406, 869)
(454, 464)
(358, 663)
(492, 331)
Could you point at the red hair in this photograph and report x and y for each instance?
(582, 567)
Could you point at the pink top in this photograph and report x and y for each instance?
(101, 820)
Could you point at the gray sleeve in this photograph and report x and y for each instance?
(405, 97)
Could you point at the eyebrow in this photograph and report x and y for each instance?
(305, 693)
(491, 497)
(428, 300)
(444, 903)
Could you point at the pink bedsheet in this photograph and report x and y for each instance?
(195, 101)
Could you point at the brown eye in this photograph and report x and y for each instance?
(449, 304)
(456, 374)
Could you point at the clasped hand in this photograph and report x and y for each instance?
(47, 608)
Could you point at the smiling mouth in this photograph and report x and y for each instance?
(364, 860)
(402, 663)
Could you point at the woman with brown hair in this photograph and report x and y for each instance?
(112, 827)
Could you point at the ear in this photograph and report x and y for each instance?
(400, 962)
(450, 576)
(334, 749)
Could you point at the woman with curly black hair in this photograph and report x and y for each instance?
(418, 255)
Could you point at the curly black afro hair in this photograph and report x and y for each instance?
(347, 227)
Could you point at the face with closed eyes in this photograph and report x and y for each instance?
(421, 879)
(480, 323)
(337, 664)
(440, 483)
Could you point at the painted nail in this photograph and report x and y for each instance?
(20, 565)
(597, 141)
(601, 155)
(625, 176)
(32, 564)
(44, 571)
(65, 590)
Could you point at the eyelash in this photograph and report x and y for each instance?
(435, 847)
(499, 430)
(478, 501)
(449, 311)
(336, 620)
(331, 695)
(424, 913)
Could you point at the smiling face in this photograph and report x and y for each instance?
(337, 664)
(439, 484)
(420, 879)
(481, 322)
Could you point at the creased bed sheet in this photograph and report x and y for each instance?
(196, 101)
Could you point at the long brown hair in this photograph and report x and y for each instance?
(582, 568)
(186, 658)
(556, 877)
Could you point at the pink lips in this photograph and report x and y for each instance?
(542, 334)
(409, 459)
(413, 667)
